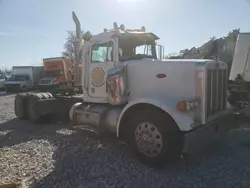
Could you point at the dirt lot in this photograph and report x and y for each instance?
(56, 156)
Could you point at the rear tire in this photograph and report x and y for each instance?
(154, 137)
(20, 106)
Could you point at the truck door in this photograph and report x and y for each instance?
(101, 60)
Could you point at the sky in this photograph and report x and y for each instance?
(31, 30)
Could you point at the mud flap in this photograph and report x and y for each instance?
(46, 107)
(56, 108)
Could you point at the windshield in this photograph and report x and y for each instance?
(136, 47)
(137, 52)
(102, 52)
(53, 73)
(143, 50)
(17, 78)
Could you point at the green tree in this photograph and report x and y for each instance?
(232, 35)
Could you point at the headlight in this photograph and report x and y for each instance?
(187, 105)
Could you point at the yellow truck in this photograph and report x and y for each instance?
(57, 73)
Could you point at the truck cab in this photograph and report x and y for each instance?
(111, 49)
(18, 82)
(24, 78)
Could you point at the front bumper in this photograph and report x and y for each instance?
(207, 134)
(12, 87)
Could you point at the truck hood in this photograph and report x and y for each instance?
(148, 60)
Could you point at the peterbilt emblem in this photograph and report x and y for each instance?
(98, 75)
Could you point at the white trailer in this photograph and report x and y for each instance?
(241, 59)
(24, 78)
(239, 78)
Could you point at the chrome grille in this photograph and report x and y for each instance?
(216, 91)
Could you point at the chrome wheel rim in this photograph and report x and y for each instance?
(148, 139)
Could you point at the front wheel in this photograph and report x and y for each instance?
(154, 137)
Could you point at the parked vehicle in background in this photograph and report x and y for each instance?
(2, 80)
(24, 78)
(239, 78)
(57, 73)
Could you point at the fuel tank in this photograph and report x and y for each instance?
(100, 118)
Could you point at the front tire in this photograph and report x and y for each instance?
(154, 137)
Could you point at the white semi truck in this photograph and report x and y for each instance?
(161, 107)
(24, 78)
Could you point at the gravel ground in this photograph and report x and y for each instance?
(56, 156)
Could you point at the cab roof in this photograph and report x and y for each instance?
(139, 34)
(126, 35)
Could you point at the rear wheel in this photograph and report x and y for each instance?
(154, 137)
(20, 106)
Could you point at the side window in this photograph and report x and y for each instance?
(102, 52)
(27, 78)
